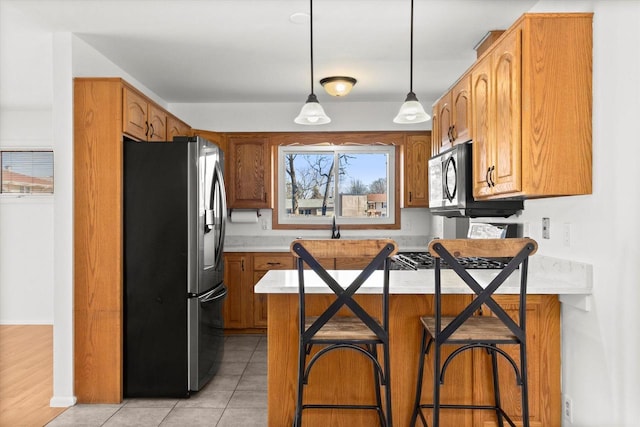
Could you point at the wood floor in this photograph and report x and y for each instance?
(26, 375)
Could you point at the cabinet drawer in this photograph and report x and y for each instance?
(273, 262)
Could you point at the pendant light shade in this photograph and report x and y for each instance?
(411, 111)
(312, 112)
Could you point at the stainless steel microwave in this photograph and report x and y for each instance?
(451, 188)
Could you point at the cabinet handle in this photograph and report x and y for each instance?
(410, 196)
(273, 263)
(146, 129)
(242, 265)
(152, 131)
(449, 133)
(486, 177)
(492, 182)
(453, 133)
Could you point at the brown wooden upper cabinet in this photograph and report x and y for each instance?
(453, 113)
(416, 173)
(248, 171)
(531, 109)
(142, 119)
(176, 127)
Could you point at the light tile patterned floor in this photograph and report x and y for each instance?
(237, 396)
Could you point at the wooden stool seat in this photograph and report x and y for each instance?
(488, 329)
(342, 328)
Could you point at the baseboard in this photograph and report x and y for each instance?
(62, 401)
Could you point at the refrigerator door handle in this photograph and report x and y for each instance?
(218, 188)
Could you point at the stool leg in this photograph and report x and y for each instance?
(387, 378)
(524, 386)
(371, 348)
(301, 362)
(496, 387)
(436, 384)
(416, 405)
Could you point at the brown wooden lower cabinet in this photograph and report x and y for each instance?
(244, 310)
(345, 375)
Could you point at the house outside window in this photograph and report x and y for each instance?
(26, 172)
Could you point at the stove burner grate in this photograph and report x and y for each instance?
(424, 260)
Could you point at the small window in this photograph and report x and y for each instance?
(353, 184)
(26, 172)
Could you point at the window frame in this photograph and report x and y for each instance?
(330, 142)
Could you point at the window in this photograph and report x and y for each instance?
(353, 184)
(26, 172)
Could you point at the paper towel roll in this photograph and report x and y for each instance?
(244, 217)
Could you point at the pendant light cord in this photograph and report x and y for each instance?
(311, 39)
(411, 54)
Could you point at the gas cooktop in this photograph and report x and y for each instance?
(424, 260)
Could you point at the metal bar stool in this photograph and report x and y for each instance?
(468, 331)
(361, 332)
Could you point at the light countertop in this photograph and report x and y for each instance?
(546, 276)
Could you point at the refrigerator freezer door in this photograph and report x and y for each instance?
(206, 336)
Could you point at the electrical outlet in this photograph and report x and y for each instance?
(567, 409)
(566, 234)
(546, 228)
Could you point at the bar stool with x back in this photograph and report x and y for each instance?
(360, 332)
(468, 331)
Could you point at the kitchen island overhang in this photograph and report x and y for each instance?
(412, 296)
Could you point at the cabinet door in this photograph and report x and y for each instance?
(263, 262)
(445, 114)
(416, 171)
(461, 105)
(435, 132)
(249, 172)
(176, 127)
(237, 305)
(259, 303)
(481, 112)
(134, 111)
(505, 60)
(157, 124)
(543, 361)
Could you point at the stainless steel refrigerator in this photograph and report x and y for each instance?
(174, 226)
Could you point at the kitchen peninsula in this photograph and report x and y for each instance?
(412, 296)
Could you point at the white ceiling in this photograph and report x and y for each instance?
(192, 51)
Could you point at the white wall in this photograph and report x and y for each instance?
(601, 347)
(26, 224)
(600, 352)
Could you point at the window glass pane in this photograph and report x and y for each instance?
(27, 171)
(363, 185)
(353, 184)
(309, 184)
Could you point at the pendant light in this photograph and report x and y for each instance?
(411, 111)
(312, 112)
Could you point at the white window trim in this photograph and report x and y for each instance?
(390, 219)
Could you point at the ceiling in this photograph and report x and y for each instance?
(210, 51)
